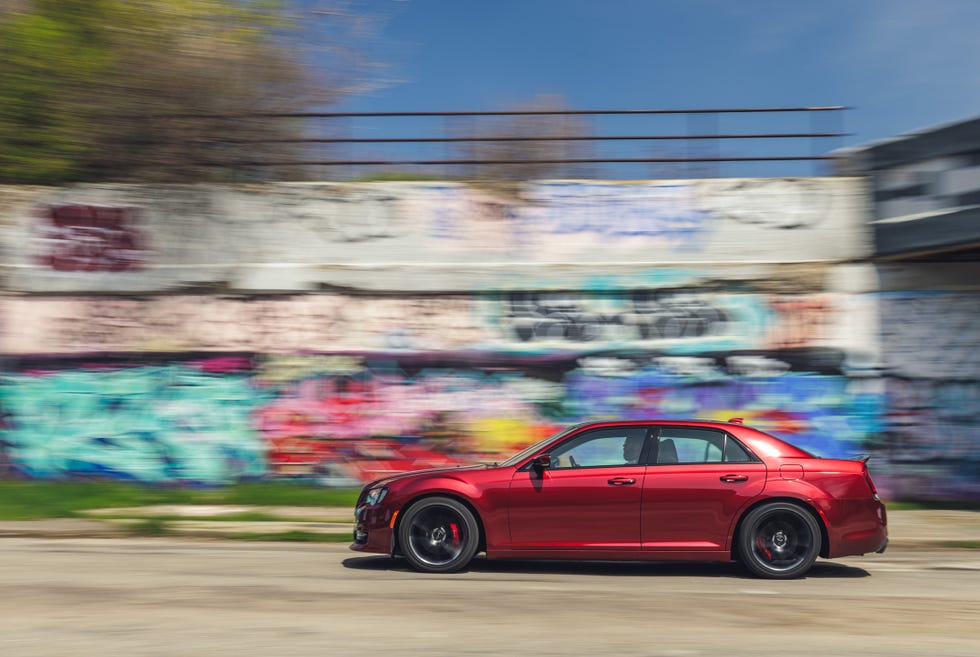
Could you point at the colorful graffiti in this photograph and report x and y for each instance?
(932, 424)
(341, 419)
(90, 238)
(680, 321)
(170, 423)
(664, 212)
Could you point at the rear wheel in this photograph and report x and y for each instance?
(779, 540)
(438, 535)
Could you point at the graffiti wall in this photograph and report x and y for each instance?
(931, 434)
(207, 334)
(339, 388)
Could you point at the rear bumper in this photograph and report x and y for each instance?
(857, 527)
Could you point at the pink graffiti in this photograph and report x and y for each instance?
(90, 238)
(224, 365)
(362, 460)
(343, 408)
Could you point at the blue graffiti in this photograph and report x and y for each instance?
(152, 424)
(637, 210)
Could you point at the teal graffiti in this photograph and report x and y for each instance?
(151, 424)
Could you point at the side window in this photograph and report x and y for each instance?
(600, 447)
(691, 445)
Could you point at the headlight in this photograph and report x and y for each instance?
(375, 495)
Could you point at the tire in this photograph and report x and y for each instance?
(779, 540)
(438, 535)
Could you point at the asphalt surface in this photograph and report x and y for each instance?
(192, 597)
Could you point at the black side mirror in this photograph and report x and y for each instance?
(541, 462)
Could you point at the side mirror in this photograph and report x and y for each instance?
(541, 462)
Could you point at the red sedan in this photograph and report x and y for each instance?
(638, 490)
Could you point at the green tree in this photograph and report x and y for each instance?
(44, 54)
(106, 89)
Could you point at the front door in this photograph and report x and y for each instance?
(589, 498)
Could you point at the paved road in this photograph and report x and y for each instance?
(189, 598)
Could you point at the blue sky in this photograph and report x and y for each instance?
(902, 64)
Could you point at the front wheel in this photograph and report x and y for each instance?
(438, 535)
(779, 540)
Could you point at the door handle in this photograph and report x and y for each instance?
(733, 478)
(621, 481)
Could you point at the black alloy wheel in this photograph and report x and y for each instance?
(438, 535)
(779, 540)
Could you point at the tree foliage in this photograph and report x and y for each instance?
(103, 89)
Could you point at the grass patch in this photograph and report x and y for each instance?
(934, 505)
(26, 500)
(29, 500)
(276, 493)
(295, 536)
(962, 545)
(249, 516)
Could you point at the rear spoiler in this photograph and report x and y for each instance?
(863, 460)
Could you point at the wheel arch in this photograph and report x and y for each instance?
(803, 504)
(481, 545)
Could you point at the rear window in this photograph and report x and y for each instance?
(697, 445)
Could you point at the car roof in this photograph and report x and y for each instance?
(662, 421)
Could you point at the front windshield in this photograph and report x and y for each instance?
(520, 456)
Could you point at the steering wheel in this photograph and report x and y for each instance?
(571, 461)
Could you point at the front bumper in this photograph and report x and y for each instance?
(374, 529)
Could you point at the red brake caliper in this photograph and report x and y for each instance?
(455, 530)
(761, 544)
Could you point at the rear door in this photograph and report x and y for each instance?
(698, 480)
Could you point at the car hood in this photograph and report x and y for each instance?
(400, 476)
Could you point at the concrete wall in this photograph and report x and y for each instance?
(336, 331)
(419, 236)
